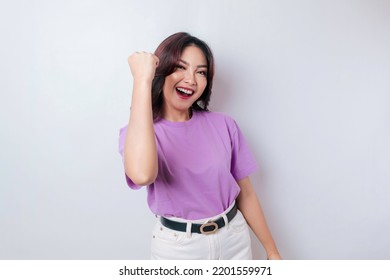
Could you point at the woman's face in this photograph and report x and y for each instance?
(185, 85)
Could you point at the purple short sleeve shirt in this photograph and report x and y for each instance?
(200, 162)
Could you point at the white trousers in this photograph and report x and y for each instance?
(232, 242)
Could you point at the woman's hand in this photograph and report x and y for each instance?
(250, 207)
(143, 66)
(274, 256)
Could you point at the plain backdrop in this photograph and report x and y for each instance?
(307, 81)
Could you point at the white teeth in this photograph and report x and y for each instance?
(186, 91)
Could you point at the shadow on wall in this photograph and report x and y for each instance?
(223, 88)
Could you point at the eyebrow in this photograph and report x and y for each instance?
(186, 63)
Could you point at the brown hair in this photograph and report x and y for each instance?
(169, 53)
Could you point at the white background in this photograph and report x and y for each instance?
(308, 82)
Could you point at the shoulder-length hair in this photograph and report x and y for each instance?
(169, 53)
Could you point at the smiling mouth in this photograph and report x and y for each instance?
(184, 91)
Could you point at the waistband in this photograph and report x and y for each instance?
(204, 226)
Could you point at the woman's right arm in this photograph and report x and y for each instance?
(140, 151)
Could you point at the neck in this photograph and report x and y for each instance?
(177, 116)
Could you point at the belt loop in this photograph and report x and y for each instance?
(226, 221)
(188, 230)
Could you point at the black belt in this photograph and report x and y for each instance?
(207, 228)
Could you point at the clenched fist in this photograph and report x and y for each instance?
(143, 66)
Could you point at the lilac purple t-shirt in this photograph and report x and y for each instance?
(199, 164)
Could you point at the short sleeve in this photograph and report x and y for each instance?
(243, 162)
(122, 138)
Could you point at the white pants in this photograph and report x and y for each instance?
(232, 242)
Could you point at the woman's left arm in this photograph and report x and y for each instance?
(250, 207)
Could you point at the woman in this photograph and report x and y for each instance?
(195, 163)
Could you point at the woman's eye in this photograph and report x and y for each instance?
(203, 73)
(180, 67)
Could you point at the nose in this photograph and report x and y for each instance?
(190, 77)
